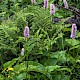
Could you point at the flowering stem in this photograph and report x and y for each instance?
(26, 62)
(52, 18)
(27, 65)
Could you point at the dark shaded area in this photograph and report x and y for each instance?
(56, 20)
(73, 20)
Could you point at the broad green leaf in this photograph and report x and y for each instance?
(74, 47)
(78, 34)
(21, 76)
(61, 77)
(51, 68)
(72, 42)
(60, 55)
(10, 63)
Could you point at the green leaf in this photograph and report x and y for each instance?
(61, 77)
(74, 47)
(72, 42)
(2, 77)
(10, 63)
(20, 67)
(29, 48)
(60, 55)
(51, 68)
(78, 34)
(65, 69)
(50, 62)
(21, 76)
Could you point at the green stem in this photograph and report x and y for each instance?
(62, 43)
(62, 39)
(26, 62)
(1, 61)
(52, 18)
(27, 65)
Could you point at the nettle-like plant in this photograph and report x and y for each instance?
(48, 54)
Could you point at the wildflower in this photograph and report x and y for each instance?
(65, 4)
(8, 76)
(9, 69)
(26, 31)
(32, 1)
(52, 9)
(73, 32)
(45, 4)
(22, 52)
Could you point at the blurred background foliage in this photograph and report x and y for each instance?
(52, 55)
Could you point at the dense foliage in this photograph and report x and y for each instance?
(49, 52)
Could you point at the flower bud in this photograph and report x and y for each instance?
(45, 4)
(73, 32)
(65, 4)
(22, 52)
(52, 9)
(32, 1)
(26, 31)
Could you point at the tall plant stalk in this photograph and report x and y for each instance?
(26, 61)
(27, 65)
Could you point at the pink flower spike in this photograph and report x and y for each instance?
(45, 4)
(65, 4)
(32, 1)
(73, 32)
(22, 52)
(52, 9)
(26, 32)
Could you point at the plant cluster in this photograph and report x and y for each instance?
(35, 46)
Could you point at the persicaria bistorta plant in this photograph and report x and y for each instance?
(45, 4)
(65, 4)
(52, 9)
(26, 32)
(32, 1)
(73, 32)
